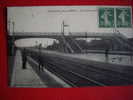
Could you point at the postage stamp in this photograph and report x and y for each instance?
(123, 17)
(106, 17)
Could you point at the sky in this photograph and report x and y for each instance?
(34, 41)
(50, 18)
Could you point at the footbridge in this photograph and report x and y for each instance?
(117, 40)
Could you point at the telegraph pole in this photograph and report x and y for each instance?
(13, 39)
(63, 27)
(86, 40)
(9, 22)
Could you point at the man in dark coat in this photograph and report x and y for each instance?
(40, 60)
(24, 58)
(107, 54)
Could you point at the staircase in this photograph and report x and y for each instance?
(71, 45)
(123, 40)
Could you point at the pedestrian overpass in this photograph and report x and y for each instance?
(117, 39)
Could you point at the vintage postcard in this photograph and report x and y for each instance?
(70, 46)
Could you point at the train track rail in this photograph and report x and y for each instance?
(79, 74)
(72, 78)
(99, 76)
(91, 68)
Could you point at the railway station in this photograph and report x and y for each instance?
(67, 59)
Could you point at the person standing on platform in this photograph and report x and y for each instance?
(24, 58)
(106, 54)
(40, 66)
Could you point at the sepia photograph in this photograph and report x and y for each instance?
(69, 46)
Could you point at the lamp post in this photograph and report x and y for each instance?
(13, 39)
(8, 28)
(63, 25)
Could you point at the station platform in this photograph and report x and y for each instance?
(31, 77)
(24, 77)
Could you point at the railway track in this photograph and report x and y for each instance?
(91, 68)
(72, 78)
(100, 76)
(79, 74)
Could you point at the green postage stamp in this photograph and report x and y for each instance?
(106, 17)
(123, 17)
(114, 17)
